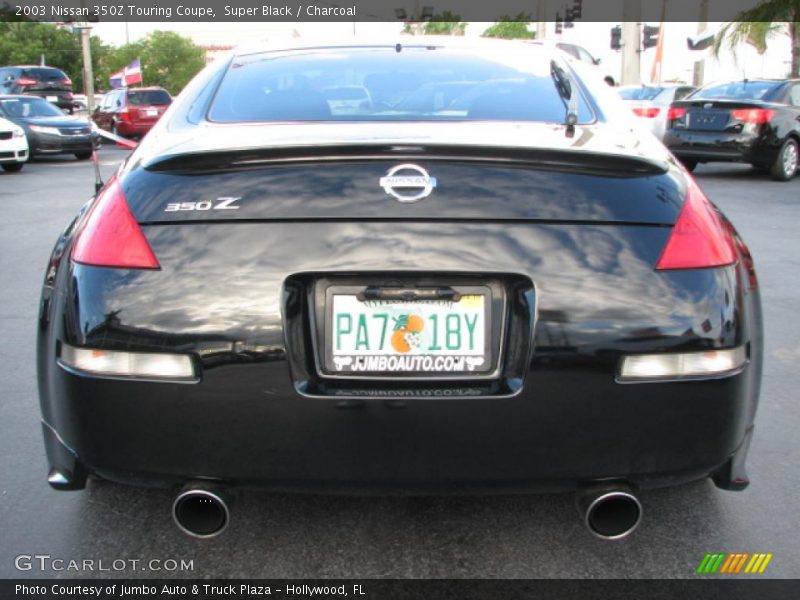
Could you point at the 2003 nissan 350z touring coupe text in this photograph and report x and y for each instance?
(424, 266)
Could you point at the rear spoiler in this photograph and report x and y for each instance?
(582, 161)
(726, 103)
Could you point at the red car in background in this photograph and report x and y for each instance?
(131, 112)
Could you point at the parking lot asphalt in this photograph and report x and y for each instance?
(275, 535)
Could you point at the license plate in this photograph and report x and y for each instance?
(151, 112)
(433, 337)
(52, 98)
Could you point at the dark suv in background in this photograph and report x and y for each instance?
(131, 112)
(46, 82)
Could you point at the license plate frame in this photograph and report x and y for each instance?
(489, 353)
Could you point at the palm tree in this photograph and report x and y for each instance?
(756, 25)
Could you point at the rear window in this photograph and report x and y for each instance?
(640, 93)
(737, 90)
(411, 83)
(144, 97)
(44, 73)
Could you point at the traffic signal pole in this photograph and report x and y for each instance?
(631, 55)
(699, 65)
(541, 19)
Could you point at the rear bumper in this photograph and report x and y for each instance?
(720, 146)
(261, 417)
(649, 437)
(136, 128)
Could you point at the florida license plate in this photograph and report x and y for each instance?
(52, 98)
(426, 337)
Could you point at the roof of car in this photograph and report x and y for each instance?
(22, 97)
(31, 67)
(431, 41)
(749, 80)
(658, 86)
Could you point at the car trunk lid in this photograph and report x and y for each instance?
(711, 115)
(354, 183)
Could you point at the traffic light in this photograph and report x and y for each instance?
(559, 22)
(569, 17)
(577, 9)
(616, 37)
(650, 36)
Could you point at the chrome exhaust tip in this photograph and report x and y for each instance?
(201, 510)
(610, 512)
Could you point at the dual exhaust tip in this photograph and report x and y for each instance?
(201, 510)
(609, 512)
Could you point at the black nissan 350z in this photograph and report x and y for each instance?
(420, 266)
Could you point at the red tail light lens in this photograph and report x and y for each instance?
(650, 112)
(26, 81)
(753, 115)
(66, 81)
(125, 115)
(699, 237)
(111, 237)
(675, 113)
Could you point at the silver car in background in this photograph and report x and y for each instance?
(650, 103)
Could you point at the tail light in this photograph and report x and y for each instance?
(699, 237)
(26, 81)
(111, 237)
(125, 115)
(66, 81)
(651, 112)
(675, 113)
(753, 115)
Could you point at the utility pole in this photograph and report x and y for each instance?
(541, 21)
(699, 65)
(631, 38)
(88, 72)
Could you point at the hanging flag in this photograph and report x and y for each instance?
(133, 72)
(127, 76)
(115, 79)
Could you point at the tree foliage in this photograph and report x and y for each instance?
(758, 24)
(445, 23)
(168, 59)
(511, 28)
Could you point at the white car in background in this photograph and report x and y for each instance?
(13, 146)
(650, 103)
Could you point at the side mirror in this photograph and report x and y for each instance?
(597, 61)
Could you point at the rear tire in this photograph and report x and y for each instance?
(83, 155)
(689, 163)
(785, 165)
(12, 167)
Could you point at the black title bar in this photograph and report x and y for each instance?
(357, 10)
